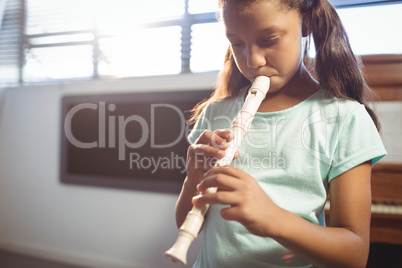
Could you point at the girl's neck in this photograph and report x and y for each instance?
(299, 88)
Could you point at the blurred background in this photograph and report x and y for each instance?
(50, 49)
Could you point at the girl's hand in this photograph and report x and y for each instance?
(207, 149)
(249, 204)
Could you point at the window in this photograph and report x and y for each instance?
(74, 39)
(372, 29)
(208, 47)
(47, 40)
(153, 51)
(203, 6)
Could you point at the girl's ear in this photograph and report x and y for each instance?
(306, 30)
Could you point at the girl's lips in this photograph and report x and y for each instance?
(253, 78)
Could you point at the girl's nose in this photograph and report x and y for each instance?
(255, 58)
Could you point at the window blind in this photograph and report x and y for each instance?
(11, 41)
(45, 40)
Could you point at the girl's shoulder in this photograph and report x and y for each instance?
(330, 110)
(329, 103)
(226, 106)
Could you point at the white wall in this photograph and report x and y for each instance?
(82, 225)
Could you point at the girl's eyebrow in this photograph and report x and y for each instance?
(267, 30)
(271, 29)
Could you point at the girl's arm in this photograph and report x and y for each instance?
(209, 146)
(345, 243)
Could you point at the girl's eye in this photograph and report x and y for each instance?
(236, 44)
(269, 42)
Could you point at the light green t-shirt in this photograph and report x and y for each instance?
(293, 154)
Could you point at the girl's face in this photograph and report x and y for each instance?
(266, 39)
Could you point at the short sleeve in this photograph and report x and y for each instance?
(359, 141)
(200, 125)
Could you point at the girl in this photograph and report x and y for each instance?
(309, 138)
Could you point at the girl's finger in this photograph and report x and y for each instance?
(221, 138)
(237, 154)
(224, 134)
(220, 197)
(230, 213)
(213, 139)
(223, 182)
(226, 170)
(203, 150)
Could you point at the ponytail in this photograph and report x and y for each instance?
(338, 70)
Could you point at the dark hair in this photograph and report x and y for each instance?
(337, 69)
